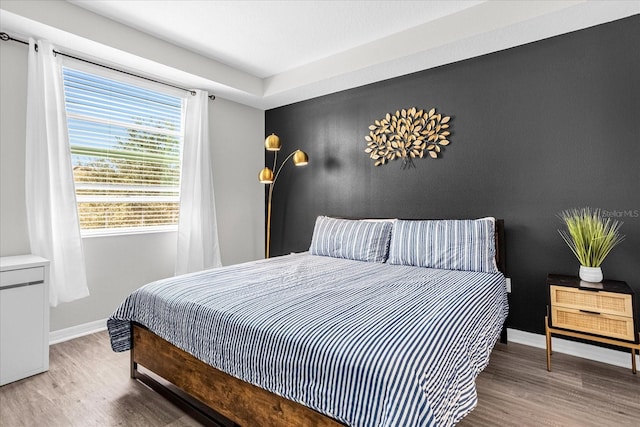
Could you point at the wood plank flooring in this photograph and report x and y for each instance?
(516, 390)
(89, 385)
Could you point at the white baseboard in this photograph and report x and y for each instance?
(78, 331)
(578, 349)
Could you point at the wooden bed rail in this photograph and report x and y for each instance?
(239, 402)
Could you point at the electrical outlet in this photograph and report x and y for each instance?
(508, 279)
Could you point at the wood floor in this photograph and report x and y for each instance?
(88, 385)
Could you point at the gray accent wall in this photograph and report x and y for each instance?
(536, 129)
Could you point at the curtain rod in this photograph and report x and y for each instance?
(5, 37)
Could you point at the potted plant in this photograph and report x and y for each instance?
(590, 237)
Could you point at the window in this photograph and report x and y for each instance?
(125, 144)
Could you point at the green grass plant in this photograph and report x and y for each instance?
(590, 236)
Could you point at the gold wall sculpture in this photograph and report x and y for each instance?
(407, 134)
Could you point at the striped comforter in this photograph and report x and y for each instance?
(364, 343)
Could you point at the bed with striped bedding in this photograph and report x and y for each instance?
(367, 344)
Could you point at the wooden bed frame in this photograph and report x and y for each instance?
(218, 399)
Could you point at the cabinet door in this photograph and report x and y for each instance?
(22, 340)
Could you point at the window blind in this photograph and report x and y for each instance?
(125, 144)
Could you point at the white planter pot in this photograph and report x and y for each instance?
(591, 274)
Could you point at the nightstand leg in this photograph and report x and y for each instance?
(633, 360)
(548, 335)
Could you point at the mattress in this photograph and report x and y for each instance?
(368, 344)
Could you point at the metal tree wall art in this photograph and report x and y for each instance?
(407, 134)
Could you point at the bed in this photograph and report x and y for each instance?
(380, 323)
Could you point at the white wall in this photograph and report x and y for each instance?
(78, 30)
(119, 264)
(13, 109)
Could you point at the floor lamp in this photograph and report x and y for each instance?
(266, 176)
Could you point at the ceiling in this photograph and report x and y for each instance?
(265, 38)
(267, 54)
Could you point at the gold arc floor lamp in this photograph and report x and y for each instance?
(266, 175)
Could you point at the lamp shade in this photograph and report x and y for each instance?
(300, 158)
(272, 143)
(265, 176)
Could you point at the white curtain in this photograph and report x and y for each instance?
(197, 228)
(52, 217)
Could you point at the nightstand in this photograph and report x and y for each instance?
(602, 312)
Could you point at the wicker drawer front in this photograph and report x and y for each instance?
(599, 324)
(601, 302)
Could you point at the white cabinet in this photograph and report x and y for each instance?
(24, 317)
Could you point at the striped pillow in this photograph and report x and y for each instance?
(466, 245)
(351, 239)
